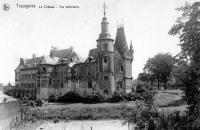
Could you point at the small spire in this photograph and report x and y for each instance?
(120, 23)
(104, 9)
(131, 46)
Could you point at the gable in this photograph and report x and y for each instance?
(20, 66)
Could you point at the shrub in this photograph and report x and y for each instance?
(5, 99)
(117, 97)
(34, 120)
(52, 98)
(70, 97)
(130, 96)
(140, 89)
(56, 120)
(93, 98)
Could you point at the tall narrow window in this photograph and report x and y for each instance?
(89, 71)
(105, 59)
(61, 84)
(120, 84)
(50, 82)
(89, 84)
(122, 68)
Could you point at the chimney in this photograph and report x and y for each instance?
(21, 61)
(72, 48)
(34, 55)
(55, 48)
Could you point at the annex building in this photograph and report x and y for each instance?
(107, 68)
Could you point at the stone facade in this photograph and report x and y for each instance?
(107, 68)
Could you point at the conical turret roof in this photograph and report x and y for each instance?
(120, 41)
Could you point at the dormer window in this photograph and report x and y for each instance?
(44, 69)
(90, 59)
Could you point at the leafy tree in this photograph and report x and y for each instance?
(146, 78)
(180, 71)
(187, 27)
(145, 114)
(161, 65)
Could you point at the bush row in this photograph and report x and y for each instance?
(72, 97)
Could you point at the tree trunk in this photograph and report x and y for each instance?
(158, 82)
(165, 85)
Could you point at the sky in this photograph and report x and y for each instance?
(24, 32)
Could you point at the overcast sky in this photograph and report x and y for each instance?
(27, 31)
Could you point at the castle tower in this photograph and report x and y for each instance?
(105, 58)
(127, 56)
(120, 41)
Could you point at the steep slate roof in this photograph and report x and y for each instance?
(67, 54)
(56, 58)
(93, 53)
(120, 41)
(81, 59)
(32, 61)
(63, 53)
(50, 60)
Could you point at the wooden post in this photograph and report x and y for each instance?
(91, 127)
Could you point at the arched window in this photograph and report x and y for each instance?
(105, 91)
(105, 59)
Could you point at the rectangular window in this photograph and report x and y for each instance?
(89, 84)
(105, 46)
(122, 68)
(88, 71)
(105, 77)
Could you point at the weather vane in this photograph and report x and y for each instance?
(104, 9)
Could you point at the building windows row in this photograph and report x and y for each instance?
(27, 85)
(27, 76)
(28, 72)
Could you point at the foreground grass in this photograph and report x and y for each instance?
(166, 101)
(83, 112)
(170, 100)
